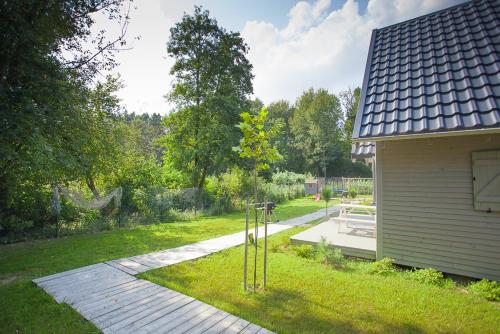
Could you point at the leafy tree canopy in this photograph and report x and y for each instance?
(212, 82)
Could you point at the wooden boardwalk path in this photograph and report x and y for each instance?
(111, 297)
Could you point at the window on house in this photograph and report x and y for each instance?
(486, 180)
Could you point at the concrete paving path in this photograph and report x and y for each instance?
(112, 298)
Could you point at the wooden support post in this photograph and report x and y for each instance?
(256, 235)
(245, 269)
(265, 242)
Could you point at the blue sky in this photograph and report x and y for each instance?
(234, 14)
(294, 45)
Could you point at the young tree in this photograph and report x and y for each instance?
(256, 146)
(326, 193)
(212, 82)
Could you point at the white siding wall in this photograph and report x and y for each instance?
(426, 216)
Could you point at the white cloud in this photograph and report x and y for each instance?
(317, 48)
(321, 48)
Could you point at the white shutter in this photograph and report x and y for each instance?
(486, 180)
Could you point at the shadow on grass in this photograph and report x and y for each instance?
(296, 314)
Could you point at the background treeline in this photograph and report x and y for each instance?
(62, 124)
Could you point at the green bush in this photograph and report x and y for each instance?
(352, 193)
(382, 267)
(334, 257)
(305, 251)
(288, 178)
(486, 289)
(430, 276)
(326, 193)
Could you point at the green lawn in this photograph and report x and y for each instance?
(26, 309)
(305, 296)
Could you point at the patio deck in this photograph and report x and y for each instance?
(353, 241)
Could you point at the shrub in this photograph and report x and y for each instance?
(304, 251)
(352, 193)
(334, 257)
(251, 238)
(430, 276)
(279, 246)
(285, 241)
(382, 267)
(486, 289)
(326, 193)
(288, 178)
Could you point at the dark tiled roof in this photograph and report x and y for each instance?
(435, 73)
(363, 150)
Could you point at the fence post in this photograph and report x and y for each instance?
(256, 248)
(245, 269)
(265, 242)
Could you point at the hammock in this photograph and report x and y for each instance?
(78, 200)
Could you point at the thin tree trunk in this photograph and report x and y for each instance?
(200, 185)
(245, 269)
(93, 189)
(256, 227)
(265, 242)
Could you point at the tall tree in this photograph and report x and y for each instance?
(316, 126)
(46, 67)
(281, 113)
(212, 82)
(350, 100)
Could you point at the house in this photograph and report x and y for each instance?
(430, 102)
(311, 186)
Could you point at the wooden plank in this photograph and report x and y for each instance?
(79, 292)
(432, 259)
(104, 306)
(236, 327)
(85, 288)
(80, 279)
(135, 309)
(490, 225)
(122, 268)
(171, 320)
(74, 296)
(455, 246)
(149, 315)
(471, 217)
(416, 261)
(446, 234)
(468, 233)
(208, 323)
(118, 289)
(186, 326)
(142, 259)
(127, 262)
(161, 318)
(71, 278)
(66, 273)
(222, 325)
(251, 329)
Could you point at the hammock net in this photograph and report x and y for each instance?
(78, 200)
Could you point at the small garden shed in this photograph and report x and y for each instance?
(430, 102)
